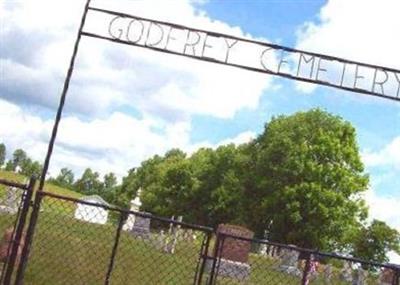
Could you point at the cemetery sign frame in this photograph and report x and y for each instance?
(273, 59)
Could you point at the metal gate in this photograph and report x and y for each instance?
(12, 224)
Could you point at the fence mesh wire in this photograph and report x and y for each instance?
(83, 242)
(274, 264)
(10, 206)
(73, 244)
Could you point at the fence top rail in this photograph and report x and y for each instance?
(128, 212)
(314, 252)
(13, 184)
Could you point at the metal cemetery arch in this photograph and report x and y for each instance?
(224, 49)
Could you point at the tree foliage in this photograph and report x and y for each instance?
(30, 168)
(302, 178)
(311, 176)
(64, 179)
(205, 187)
(110, 181)
(373, 242)
(19, 158)
(89, 183)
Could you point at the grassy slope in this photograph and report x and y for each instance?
(48, 187)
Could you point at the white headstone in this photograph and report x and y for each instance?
(289, 260)
(11, 201)
(346, 274)
(135, 207)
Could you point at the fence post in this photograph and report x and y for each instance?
(396, 277)
(306, 271)
(29, 237)
(203, 257)
(115, 247)
(18, 230)
(217, 253)
(214, 256)
(221, 248)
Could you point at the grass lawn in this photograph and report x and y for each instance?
(48, 187)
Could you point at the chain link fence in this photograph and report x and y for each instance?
(14, 207)
(84, 242)
(272, 263)
(87, 241)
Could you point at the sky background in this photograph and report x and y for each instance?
(126, 104)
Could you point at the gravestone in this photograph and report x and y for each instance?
(360, 278)
(141, 227)
(10, 202)
(386, 277)
(159, 240)
(263, 249)
(272, 251)
(346, 274)
(328, 274)
(289, 260)
(135, 207)
(188, 235)
(233, 253)
(174, 233)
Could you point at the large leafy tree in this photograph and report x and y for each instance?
(19, 158)
(375, 241)
(205, 188)
(30, 167)
(310, 178)
(2, 154)
(89, 183)
(109, 187)
(65, 178)
(110, 181)
(217, 196)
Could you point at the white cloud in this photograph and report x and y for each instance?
(385, 208)
(241, 138)
(388, 156)
(109, 84)
(360, 30)
(20, 129)
(109, 76)
(115, 143)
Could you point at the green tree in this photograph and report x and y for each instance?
(166, 182)
(375, 241)
(89, 183)
(19, 157)
(145, 176)
(65, 178)
(30, 168)
(309, 180)
(2, 154)
(110, 181)
(110, 188)
(218, 192)
(205, 188)
(9, 166)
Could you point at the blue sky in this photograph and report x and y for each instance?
(126, 104)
